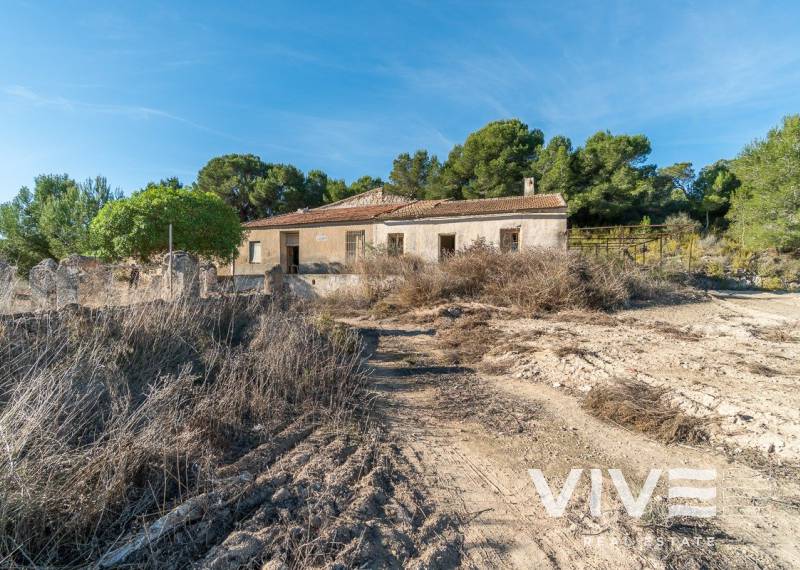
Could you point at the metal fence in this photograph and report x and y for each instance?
(637, 244)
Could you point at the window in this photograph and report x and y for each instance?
(447, 245)
(395, 245)
(255, 252)
(354, 245)
(509, 240)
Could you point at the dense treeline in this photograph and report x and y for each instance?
(608, 180)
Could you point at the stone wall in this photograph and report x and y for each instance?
(89, 282)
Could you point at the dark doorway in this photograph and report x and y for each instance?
(293, 258)
(447, 245)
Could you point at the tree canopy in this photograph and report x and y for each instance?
(203, 224)
(765, 209)
(235, 178)
(491, 163)
(257, 189)
(53, 220)
(413, 176)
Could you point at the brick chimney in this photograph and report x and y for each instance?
(529, 186)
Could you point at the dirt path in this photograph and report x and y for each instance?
(474, 437)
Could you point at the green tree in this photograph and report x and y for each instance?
(492, 161)
(336, 190)
(364, 184)
(712, 191)
(765, 210)
(613, 185)
(680, 177)
(412, 176)
(53, 220)
(203, 224)
(316, 187)
(554, 168)
(281, 189)
(171, 182)
(235, 178)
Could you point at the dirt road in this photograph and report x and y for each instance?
(474, 436)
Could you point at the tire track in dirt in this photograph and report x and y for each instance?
(475, 466)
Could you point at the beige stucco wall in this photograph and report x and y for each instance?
(322, 248)
(421, 237)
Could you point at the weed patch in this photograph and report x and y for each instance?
(643, 408)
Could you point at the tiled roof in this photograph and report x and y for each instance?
(413, 210)
(437, 208)
(334, 215)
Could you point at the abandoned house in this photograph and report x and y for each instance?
(325, 240)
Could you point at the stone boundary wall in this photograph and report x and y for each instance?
(89, 282)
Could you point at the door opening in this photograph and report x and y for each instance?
(290, 252)
(293, 258)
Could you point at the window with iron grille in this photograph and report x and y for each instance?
(255, 252)
(354, 245)
(395, 245)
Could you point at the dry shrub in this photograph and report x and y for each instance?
(782, 333)
(644, 408)
(111, 416)
(466, 340)
(535, 280)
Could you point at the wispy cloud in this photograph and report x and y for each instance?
(135, 111)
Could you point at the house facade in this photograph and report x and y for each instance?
(325, 240)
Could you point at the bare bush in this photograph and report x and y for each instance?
(535, 280)
(108, 417)
(644, 408)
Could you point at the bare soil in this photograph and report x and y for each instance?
(465, 399)
(472, 417)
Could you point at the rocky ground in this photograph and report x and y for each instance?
(473, 398)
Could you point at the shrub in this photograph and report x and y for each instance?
(533, 280)
(110, 416)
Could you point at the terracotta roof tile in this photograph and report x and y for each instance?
(436, 208)
(334, 215)
(413, 210)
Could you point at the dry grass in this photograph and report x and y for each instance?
(535, 281)
(111, 417)
(573, 350)
(644, 408)
(8, 285)
(789, 332)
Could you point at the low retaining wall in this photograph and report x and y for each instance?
(311, 285)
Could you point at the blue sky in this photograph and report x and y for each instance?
(138, 91)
